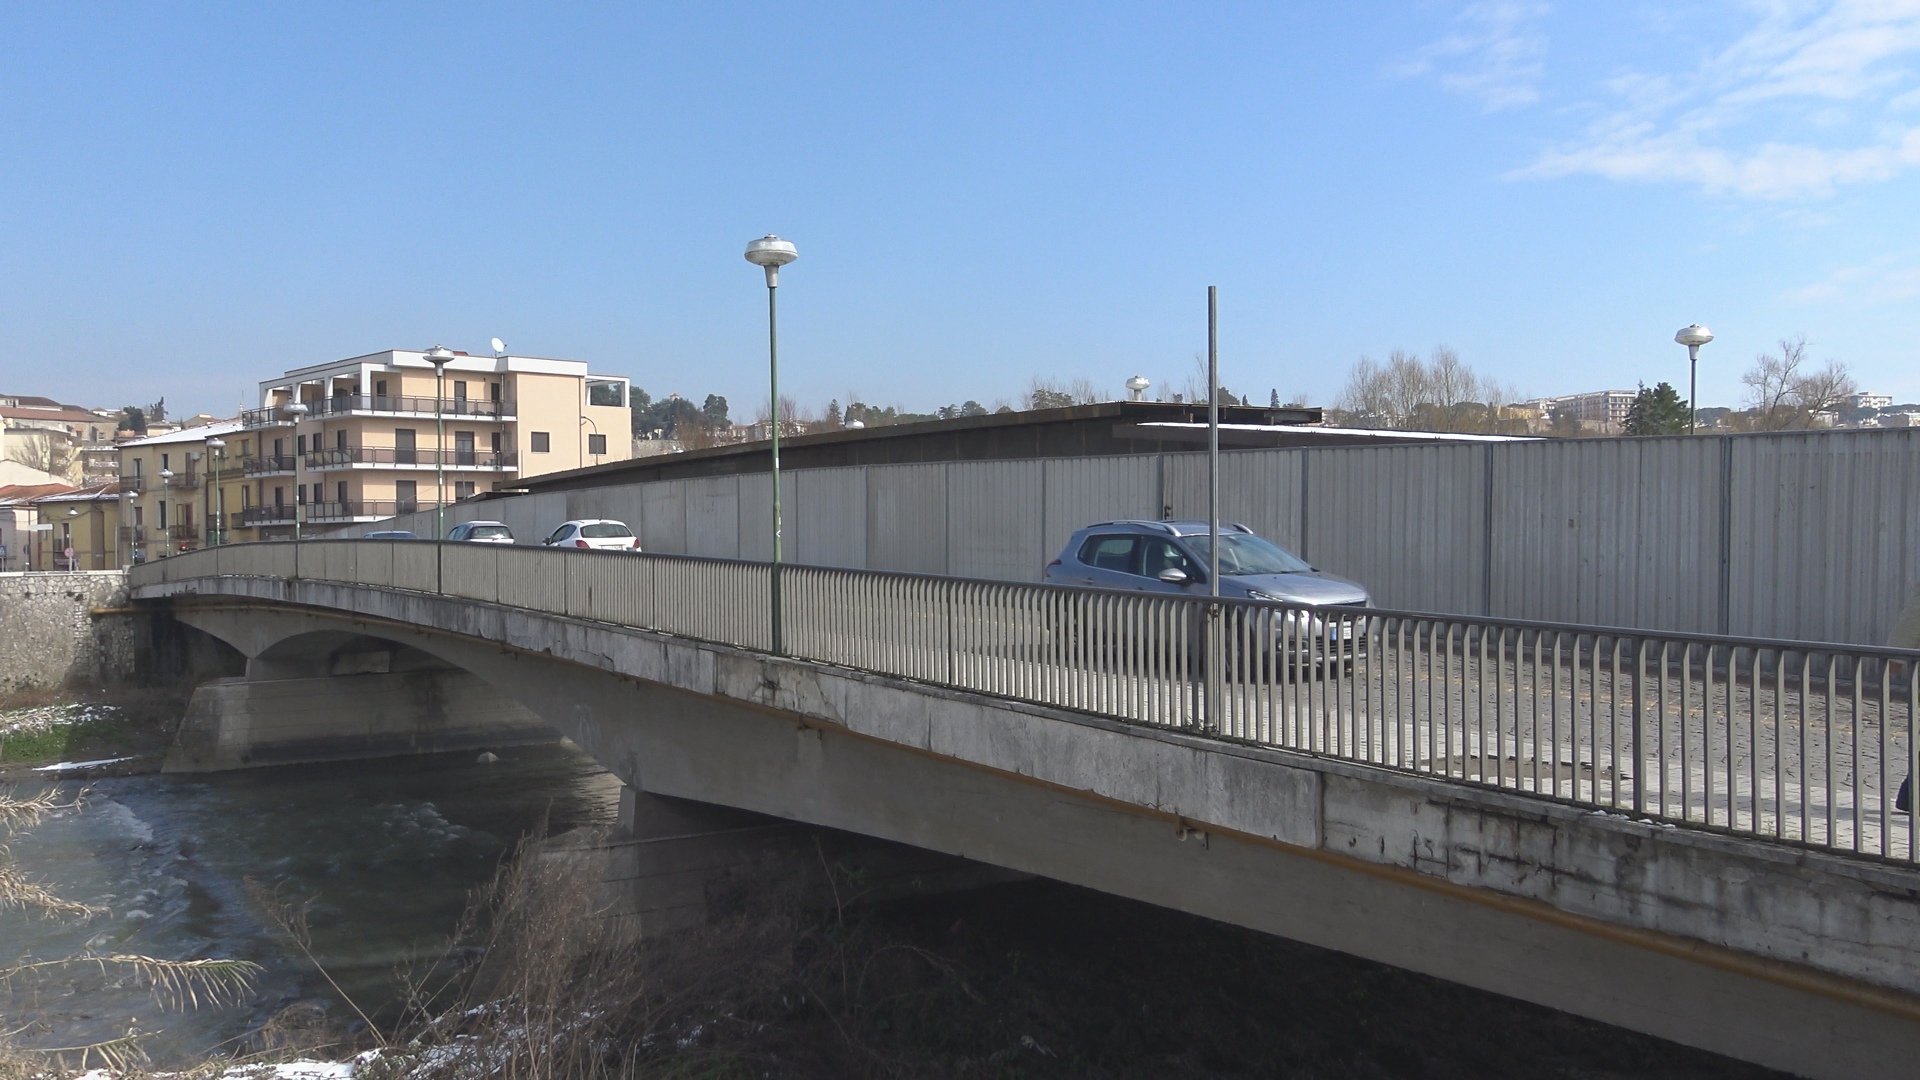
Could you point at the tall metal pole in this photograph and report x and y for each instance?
(1693, 389)
(1213, 440)
(440, 476)
(1215, 639)
(773, 368)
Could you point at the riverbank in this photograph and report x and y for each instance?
(131, 726)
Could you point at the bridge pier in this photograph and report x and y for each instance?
(333, 696)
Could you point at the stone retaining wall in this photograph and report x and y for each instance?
(49, 637)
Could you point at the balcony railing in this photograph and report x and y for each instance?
(270, 417)
(188, 531)
(133, 485)
(133, 534)
(273, 514)
(269, 463)
(184, 481)
(470, 408)
(363, 508)
(342, 457)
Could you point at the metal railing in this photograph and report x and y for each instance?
(339, 457)
(1801, 742)
(363, 508)
(268, 463)
(275, 416)
(270, 514)
(464, 408)
(183, 532)
(184, 481)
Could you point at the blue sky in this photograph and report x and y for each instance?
(195, 197)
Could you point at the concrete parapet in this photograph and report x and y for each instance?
(50, 637)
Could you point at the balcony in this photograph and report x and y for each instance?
(133, 534)
(363, 510)
(267, 464)
(253, 516)
(275, 416)
(184, 481)
(133, 485)
(347, 457)
(381, 405)
(188, 531)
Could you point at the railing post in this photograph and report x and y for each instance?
(1213, 690)
(1639, 758)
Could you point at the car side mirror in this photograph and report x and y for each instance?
(1173, 575)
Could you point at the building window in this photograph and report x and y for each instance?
(136, 467)
(300, 495)
(246, 447)
(460, 392)
(463, 489)
(139, 516)
(280, 496)
(340, 440)
(379, 390)
(596, 444)
(406, 496)
(496, 442)
(463, 448)
(299, 446)
(163, 462)
(319, 493)
(493, 392)
(342, 495)
(403, 452)
(540, 442)
(163, 514)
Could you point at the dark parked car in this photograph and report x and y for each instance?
(389, 534)
(481, 532)
(1171, 556)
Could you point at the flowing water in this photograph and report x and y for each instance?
(387, 851)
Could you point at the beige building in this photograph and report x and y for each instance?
(170, 499)
(43, 441)
(366, 446)
(77, 529)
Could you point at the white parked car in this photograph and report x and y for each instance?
(598, 534)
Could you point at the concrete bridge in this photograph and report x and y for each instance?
(1686, 835)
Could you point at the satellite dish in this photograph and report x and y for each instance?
(499, 347)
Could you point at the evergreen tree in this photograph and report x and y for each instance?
(1658, 410)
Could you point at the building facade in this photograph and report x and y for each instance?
(374, 436)
(78, 529)
(181, 490)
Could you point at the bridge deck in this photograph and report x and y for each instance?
(1788, 741)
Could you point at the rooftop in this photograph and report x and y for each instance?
(188, 435)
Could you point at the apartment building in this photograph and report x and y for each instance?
(182, 489)
(365, 442)
(42, 440)
(78, 529)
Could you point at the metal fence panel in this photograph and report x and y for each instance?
(1084, 491)
(1824, 534)
(907, 518)
(1406, 521)
(713, 516)
(995, 509)
(826, 517)
(661, 517)
(1621, 532)
(755, 517)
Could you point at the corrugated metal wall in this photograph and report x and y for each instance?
(1811, 536)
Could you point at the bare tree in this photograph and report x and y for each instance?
(50, 452)
(1784, 392)
(1439, 394)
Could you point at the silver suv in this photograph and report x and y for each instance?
(1171, 556)
(481, 532)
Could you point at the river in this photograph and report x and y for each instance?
(387, 851)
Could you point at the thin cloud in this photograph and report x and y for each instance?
(1496, 55)
(1837, 78)
(1889, 278)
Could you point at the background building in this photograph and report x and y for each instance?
(79, 529)
(42, 441)
(366, 448)
(167, 485)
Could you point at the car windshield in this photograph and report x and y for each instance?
(1245, 553)
(604, 529)
(489, 532)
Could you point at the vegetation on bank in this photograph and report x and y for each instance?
(40, 728)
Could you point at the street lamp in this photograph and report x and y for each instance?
(770, 253)
(216, 448)
(1693, 337)
(438, 357)
(296, 410)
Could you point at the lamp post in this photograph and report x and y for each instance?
(166, 542)
(216, 504)
(438, 357)
(296, 410)
(770, 253)
(1693, 337)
